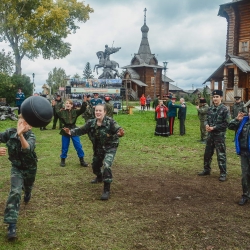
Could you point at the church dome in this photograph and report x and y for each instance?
(144, 28)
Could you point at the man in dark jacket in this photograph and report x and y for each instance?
(241, 124)
(182, 116)
(238, 107)
(59, 104)
(216, 125)
(172, 113)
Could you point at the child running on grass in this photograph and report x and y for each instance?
(20, 142)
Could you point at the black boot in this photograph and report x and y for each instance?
(98, 179)
(11, 235)
(106, 191)
(82, 162)
(62, 164)
(27, 196)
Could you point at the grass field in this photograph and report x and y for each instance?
(157, 200)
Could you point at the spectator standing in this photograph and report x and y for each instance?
(218, 117)
(143, 102)
(238, 106)
(202, 113)
(155, 104)
(148, 101)
(19, 99)
(96, 100)
(161, 128)
(109, 107)
(182, 112)
(89, 112)
(241, 124)
(172, 113)
(59, 104)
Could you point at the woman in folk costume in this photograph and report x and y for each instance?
(161, 128)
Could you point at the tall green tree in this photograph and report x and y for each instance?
(39, 27)
(56, 79)
(10, 85)
(87, 72)
(6, 62)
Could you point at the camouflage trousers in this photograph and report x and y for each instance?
(20, 180)
(203, 130)
(245, 174)
(103, 159)
(215, 141)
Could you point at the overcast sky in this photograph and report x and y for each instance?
(187, 34)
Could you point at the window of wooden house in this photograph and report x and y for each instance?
(244, 46)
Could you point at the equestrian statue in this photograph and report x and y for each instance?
(108, 65)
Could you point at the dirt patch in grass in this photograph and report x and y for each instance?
(185, 212)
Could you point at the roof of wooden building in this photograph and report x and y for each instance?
(237, 60)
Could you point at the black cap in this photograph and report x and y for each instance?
(217, 92)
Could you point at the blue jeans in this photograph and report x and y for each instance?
(77, 145)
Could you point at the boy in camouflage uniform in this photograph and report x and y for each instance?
(109, 107)
(59, 105)
(238, 107)
(241, 124)
(21, 145)
(216, 124)
(89, 112)
(202, 109)
(104, 134)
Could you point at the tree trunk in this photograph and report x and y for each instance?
(18, 63)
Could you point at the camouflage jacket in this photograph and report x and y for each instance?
(104, 136)
(109, 109)
(202, 112)
(69, 117)
(89, 112)
(59, 105)
(218, 117)
(242, 138)
(20, 158)
(238, 107)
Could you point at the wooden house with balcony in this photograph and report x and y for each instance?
(144, 75)
(234, 72)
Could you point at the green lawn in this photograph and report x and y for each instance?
(65, 211)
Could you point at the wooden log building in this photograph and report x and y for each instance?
(234, 73)
(140, 76)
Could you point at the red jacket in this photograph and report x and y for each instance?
(143, 100)
(159, 109)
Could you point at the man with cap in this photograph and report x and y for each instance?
(218, 117)
(109, 107)
(96, 100)
(202, 109)
(241, 124)
(59, 104)
(155, 104)
(238, 107)
(197, 101)
(88, 114)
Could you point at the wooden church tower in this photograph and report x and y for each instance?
(144, 75)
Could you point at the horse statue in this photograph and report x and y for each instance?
(108, 65)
